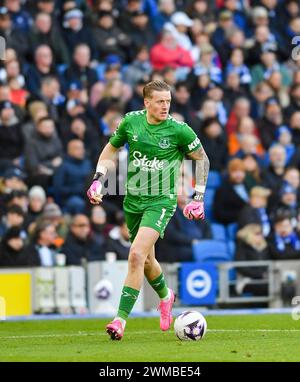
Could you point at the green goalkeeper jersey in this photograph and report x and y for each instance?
(155, 153)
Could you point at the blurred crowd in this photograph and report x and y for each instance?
(70, 69)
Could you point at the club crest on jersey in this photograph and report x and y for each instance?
(164, 143)
(134, 138)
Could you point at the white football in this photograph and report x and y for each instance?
(190, 326)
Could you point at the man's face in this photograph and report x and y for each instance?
(81, 227)
(158, 105)
(284, 228)
(16, 243)
(46, 128)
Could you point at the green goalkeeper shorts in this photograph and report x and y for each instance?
(142, 213)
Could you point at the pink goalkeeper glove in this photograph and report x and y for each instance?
(94, 192)
(194, 210)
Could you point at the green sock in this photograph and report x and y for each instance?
(160, 286)
(128, 299)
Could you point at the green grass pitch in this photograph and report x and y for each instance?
(229, 338)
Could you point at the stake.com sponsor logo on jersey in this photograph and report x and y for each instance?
(145, 163)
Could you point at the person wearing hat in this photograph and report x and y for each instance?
(76, 32)
(36, 203)
(13, 179)
(232, 195)
(11, 137)
(12, 246)
(179, 25)
(256, 211)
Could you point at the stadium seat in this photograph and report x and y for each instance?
(214, 179)
(213, 249)
(231, 248)
(218, 232)
(208, 203)
(231, 231)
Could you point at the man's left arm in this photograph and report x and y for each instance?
(195, 209)
(201, 172)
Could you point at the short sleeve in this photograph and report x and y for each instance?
(119, 137)
(187, 139)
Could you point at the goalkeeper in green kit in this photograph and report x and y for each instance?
(157, 145)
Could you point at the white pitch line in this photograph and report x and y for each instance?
(146, 332)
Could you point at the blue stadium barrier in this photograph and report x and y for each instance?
(218, 232)
(216, 249)
(214, 180)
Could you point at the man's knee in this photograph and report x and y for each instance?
(136, 258)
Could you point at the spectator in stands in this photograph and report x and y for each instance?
(36, 110)
(139, 69)
(253, 171)
(287, 201)
(256, 212)
(284, 137)
(70, 178)
(181, 234)
(11, 138)
(42, 67)
(50, 94)
(76, 32)
(273, 174)
(13, 180)
(44, 32)
(80, 68)
(37, 200)
(140, 31)
(109, 38)
(284, 242)
(294, 124)
(245, 126)
(41, 251)
(79, 246)
(12, 249)
(214, 142)
(252, 246)
(241, 109)
(43, 153)
(118, 238)
(53, 214)
(181, 102)
(292, 177)
(14, 217)
(168, 53)
(20, 18)
(14, 38)
(232, 195)
(99, 225)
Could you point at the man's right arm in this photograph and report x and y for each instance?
(105, 162)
